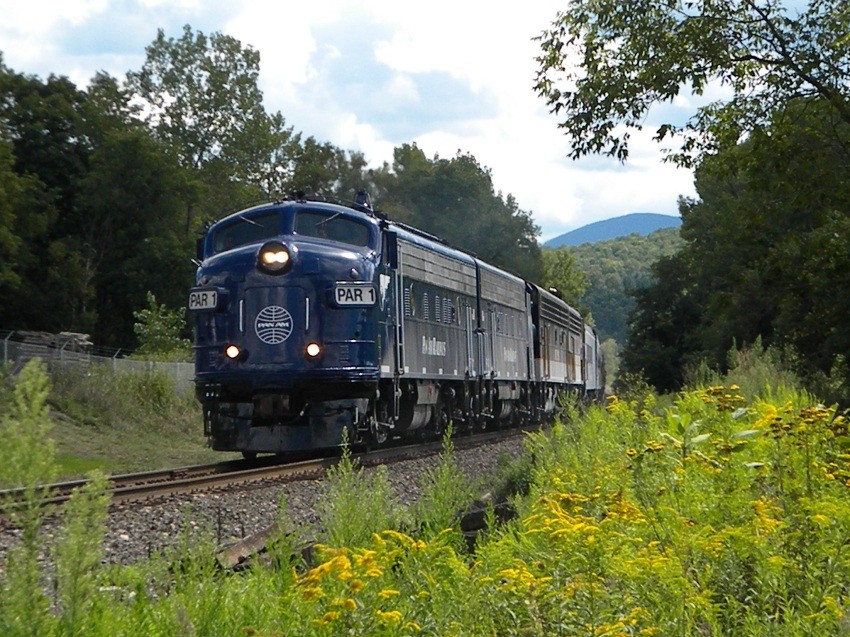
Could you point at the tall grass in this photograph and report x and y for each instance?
(101, 398)
(706, 513)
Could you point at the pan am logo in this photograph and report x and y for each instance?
(273, 324)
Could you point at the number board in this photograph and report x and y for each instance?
(354, 295)
(203, 299)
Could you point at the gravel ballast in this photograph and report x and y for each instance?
(138, 530)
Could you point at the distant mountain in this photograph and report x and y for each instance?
(642, 223)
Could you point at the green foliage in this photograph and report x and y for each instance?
(561, 271)
(159, 331)
(712, 513)
(103, 397)
(27, 454)
(611, 358)
(26, 425)
(605, 64)
(765, 250)
(445, 493)
(201, 93)
(78, 553)
(345, 516)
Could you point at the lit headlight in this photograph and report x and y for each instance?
(274, 257)
(313, 350)
(232, 352)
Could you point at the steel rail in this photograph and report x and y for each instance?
(150, 484)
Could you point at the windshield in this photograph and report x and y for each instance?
(332, 226)
(244, 230)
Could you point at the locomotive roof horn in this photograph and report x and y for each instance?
(362, 199)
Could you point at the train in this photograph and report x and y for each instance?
(320, 323)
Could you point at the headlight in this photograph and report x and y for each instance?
(313, 350)
(274, 258)
(232, 352)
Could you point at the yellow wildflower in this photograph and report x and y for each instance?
(387, 593)
(313, 592)
(412, 626)
(389, 616)
(356, 585)
(349, 604)
(330, 616)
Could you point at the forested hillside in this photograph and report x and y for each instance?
(616, 267)
(104, 188)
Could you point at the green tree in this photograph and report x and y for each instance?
(11, 192)
(28, 463)
(134, 196)
(44, 124)
(604, 64)
(160, 331)
(200, 93)
(201, 96)
(660, 343)
(455, 200)
(766, 248)
(560, 271)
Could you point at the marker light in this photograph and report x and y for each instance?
(273, 258)
(232, 352)
(313, 350)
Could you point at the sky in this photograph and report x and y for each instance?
(370, 75)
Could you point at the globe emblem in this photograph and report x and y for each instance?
(273, 324)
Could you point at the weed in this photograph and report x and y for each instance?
(356, 504)
(445, 492)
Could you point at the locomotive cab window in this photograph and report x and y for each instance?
(244, 230)
(334, 227)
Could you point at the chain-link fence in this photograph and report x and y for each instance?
(72, 349)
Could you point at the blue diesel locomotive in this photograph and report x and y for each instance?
(312, 318)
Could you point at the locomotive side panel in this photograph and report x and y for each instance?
(438, 294)
(504, 325)
(560, 331)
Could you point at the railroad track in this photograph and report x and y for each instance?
(152, 484)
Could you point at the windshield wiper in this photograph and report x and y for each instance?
(331, 218)
(251, 221)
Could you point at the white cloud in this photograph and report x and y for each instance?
(28, 19)
(448, 75)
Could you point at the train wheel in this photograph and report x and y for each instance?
(378, 435)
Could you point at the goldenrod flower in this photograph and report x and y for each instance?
(313, 592)
(389, 616)
(387, 593)
(330, 616)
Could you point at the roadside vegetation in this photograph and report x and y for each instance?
(723, 509)
(116, 422)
